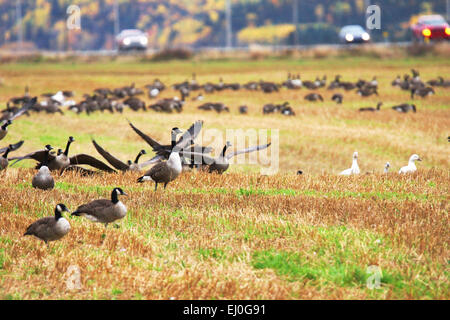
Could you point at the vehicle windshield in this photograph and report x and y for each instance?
(131, 33)
(353, 29)
(433, 21)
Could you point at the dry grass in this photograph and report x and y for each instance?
(240, 235)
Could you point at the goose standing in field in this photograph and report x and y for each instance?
(222, 163)
(243, 109)
(386, 167)
(62, 161)
(167, 171)
(104, 210)
(337, 97)
(379, 104)
(354, 168)
(50, 228)
(411, 167)
(5, 151)
(43, 179)
(116, 163)
(422, 92)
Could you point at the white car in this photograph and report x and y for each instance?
(130, 39)
(354, 34)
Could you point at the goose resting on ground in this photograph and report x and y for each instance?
(50, 228)
(354, 168)
(411, 167)
(43, 179)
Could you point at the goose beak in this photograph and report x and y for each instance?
(419, 159)
(125, 194)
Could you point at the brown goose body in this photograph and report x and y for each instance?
(104, 210)
(50, 228)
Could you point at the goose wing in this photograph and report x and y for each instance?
(196, 156)
(248, 150)
(40, 227)
(153, 143)
(91, 161)
(94, 208)
(39, 156)
(14, 147)
(116, 163)
(151, 161)
(189, 136)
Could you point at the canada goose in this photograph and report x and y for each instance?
(4, 154)
(12, 113)
(218, 107)
(243, 109)
(386, 167)
(396, 81)
(379, 104)
(104, 210)
(43, 179)
(135, 104)
(62, 161)
(335, 83)
(354, 168)
(423, 92)
(50, 228)
(313, 97)
(23, 99)
(199, 97)
(221, 163)
(337, 97)
(405, 107)
(165, 172)
(116, 163)
(367, 91)
(299, 172)
(4, 128)
(411, 167)
(186, 140)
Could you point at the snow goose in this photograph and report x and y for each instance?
(354, 169)
(411, 167)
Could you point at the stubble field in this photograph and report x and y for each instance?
(241, 235)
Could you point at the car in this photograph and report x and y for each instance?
(131, 39)
(430, 27)
(354, 34)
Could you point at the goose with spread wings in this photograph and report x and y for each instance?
(62, 161)
(118, 164)
(221, 163)
(184, 142)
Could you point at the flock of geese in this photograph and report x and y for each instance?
(170, 160)
(118, 99)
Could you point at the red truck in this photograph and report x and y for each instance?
(431, 27)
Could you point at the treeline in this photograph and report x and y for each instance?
(194, 23)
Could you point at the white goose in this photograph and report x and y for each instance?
(411, 167)
(386, 167)
(354, 169)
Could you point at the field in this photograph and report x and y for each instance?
(241, 235)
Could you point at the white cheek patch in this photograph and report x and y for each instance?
(58, 207)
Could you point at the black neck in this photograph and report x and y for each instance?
(114, 197)
(5, 126)
(58, 214)
(174, 139)
(224, 150)
(66, 152)
(138, 156)
(5, 155)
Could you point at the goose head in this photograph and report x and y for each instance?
(414, 158)
(387, 166)
(355, 155)
(175, 131)
(60, 208)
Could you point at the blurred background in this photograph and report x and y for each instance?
(31, 25)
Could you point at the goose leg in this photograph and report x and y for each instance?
(165, 185)
(156, 186)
